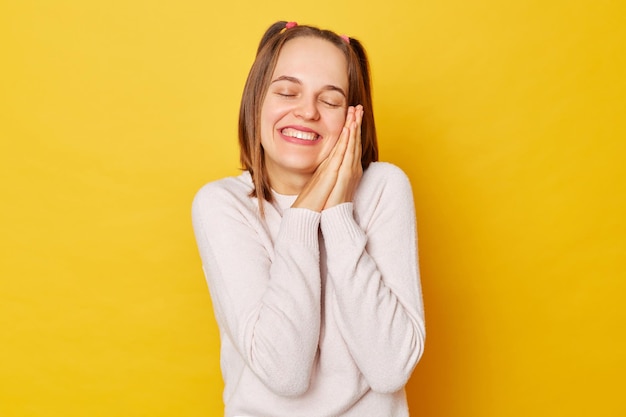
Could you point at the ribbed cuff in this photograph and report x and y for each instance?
(300, 226)
(338, 224)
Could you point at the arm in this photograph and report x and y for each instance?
(376, 279)
(266, 297)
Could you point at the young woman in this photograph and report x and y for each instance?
(310, 254)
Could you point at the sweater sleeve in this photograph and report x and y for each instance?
(375, 275)
(266, 299)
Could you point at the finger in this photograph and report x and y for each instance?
(351, 146)
(349, 116)
(359, 146)
(353, 151)
(338, 144)
(334, 161)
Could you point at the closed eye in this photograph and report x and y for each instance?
(286, 94)
(332, 100)
(331, 104)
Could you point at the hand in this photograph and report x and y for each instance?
(351, 170)
(335, 180)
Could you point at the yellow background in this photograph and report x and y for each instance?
(507, 116)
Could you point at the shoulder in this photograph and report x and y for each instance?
(384, 197)
(385, 176)
(384, 169)
(383, 187)
(224, 194)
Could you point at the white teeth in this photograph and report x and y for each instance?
(299, 134)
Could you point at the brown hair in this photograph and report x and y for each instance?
(257, 84)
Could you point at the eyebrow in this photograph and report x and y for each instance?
(295, 80)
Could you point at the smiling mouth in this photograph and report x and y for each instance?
(298, 134)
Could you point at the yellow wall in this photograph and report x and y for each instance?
(507, 116)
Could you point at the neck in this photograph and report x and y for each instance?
(289, 183)
(286, 181)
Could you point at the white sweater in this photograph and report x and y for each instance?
(320, 314)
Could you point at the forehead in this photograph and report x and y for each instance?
(312, 60)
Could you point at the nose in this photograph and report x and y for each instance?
(307, 109)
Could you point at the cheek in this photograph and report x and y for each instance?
(266, 115)
(268, 120)
(271, 113)
(336, 123)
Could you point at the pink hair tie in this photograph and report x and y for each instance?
(290, 25)
(346, 38)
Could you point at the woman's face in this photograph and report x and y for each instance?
(304, 110)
